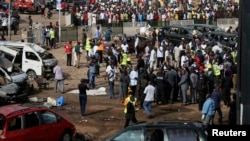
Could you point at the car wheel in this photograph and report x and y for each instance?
(66, 136)
(31, 75)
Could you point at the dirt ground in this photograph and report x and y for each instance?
(104, 116)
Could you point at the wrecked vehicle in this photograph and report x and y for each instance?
(30, 57)
(13, 83)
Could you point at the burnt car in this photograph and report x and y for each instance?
(177, 33)
(224, 38)
(203, 28)
(13, 83)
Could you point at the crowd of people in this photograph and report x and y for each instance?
(196, 72)
(110, 12)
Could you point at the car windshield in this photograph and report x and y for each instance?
(218, 29)
(1, 124)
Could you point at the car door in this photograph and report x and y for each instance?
(14, 129)
(32, 127)
(52, 126)
(154, 134)
(183, 134)
(31, 61)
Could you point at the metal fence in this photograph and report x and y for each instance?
(129, 28)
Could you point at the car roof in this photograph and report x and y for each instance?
(203, 25)
(170, 124)
(221, 33)
(15, 108)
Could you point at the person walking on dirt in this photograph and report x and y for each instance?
(83, 87)
(130, 104)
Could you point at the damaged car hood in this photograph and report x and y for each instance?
(8, 90)
(11, 72)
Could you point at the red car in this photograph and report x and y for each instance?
(33, 123)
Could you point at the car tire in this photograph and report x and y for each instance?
(31, 75)
(66, 136)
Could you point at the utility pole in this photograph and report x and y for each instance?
(59, 7)
(243, 66)
(9, 21)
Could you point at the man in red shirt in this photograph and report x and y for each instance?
(63, 6)
(68, 51)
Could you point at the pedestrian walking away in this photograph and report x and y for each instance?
(83, 87)
(130, 104)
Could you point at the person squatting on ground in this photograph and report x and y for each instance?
(83, 87)
(58, 78)
(208, 110)
(130, 104)
(149, 91)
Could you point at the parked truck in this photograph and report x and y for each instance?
(31, 58)
(29, 5)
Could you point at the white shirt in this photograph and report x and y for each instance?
(95, 48)
(146, 50)
(152, 55)
(111, 73)
(184, 60)
(136, 41)
(124, 47)
(160, 52)
(4, 21)
(149, 91)
(133, 77)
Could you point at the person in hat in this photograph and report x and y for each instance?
(83, 87)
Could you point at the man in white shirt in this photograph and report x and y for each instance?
(160, 56)
(147, 55)
(152, 59)
(124, 46)
(4, 25)
(133, 80)
(111, 74)
(149, 91)
(136, 44)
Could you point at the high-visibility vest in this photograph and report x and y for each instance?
(101, 46)
(216, 70)
(124, 59)
(234, 55)
(52, 34)
(88, 47)
(126, 101)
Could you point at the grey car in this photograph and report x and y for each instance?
(203, 28)
(162, 131)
